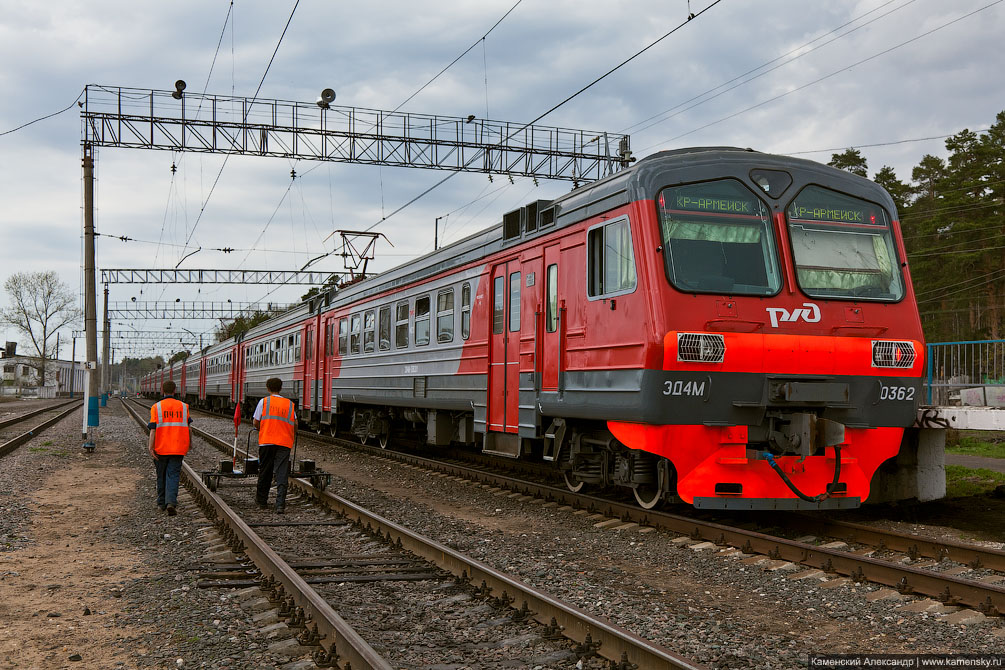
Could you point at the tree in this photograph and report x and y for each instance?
(898, 190)
(41, 304)
(179, 356)
(851, 160)
(228, 329)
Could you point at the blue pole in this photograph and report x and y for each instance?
(931, 371)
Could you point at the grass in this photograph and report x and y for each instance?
(976, 443)
(37, 450)
(964, 482)
(47, 443)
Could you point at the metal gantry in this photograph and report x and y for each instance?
(115, 116)
(190, 309)
(288, 277)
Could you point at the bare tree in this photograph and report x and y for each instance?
(41, 304)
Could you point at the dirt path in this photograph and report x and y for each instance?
(58, 595)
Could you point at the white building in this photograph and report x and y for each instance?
(20, 376)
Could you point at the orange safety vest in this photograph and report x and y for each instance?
(172, 435)
(278, 423)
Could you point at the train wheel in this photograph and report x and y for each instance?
(648, 496)
(571, 482)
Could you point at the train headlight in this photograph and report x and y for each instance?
(893, 354)
(700, 348)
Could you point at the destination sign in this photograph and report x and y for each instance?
(828, 214)
(714, 204)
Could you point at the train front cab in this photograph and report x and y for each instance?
(790, 342)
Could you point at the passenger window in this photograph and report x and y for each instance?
(498, 306)
(514, 302)
(422, 320)
(384, 329)
(368, 331)
(465, 311)
(611, 260)
(343, 337)
(354, 332)
(445, 316)
(401, 325)
(551, 315)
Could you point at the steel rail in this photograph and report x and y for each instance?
(27, 415)
(913, 545)
(340, 640)
(610, 640)
(987, 598)
(11, 445)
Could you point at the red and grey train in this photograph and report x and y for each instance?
(718, 326)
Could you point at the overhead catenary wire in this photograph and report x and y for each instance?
(519, 129)
(247, 111)
(826, 77)
(43, 118)
(764, 65)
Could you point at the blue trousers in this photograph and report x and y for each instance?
(273, 460)
(168, 473)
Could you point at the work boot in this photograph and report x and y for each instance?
(171, 510)
(280, 510)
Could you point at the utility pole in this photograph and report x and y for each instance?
(73, 368)
(106, 340)
(90, 309)
(436, 233)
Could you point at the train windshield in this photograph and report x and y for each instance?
(843, 247)
(717, 239)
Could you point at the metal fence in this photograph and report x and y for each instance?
(956, 370)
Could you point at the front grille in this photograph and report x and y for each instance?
(700, 348)
(888, 354)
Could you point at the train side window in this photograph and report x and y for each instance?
(465, 311)
(343, 336)
(422, 320)
(401, 325)
(329, 337)
(308, 342)
(445, 316)
(369, 327)
(498, 306)
(611, 264)
(551, 315)
(514, 302)
(384, 329)
(354, 333)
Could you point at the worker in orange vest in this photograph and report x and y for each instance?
(276, 421)
(168, 443)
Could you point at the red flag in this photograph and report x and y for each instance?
(237, 418)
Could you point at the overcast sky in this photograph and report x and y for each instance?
(845, 74)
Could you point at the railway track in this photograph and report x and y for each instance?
(384, 552)
(914, 565)
(13, 443)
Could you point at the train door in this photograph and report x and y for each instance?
(202, 378)
(310, 373)
(551, 348)
(236, 373)
(504, 348)
(327, 350)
